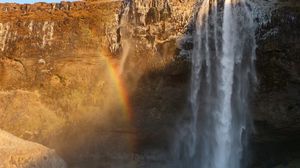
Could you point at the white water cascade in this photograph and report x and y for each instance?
(223, 72)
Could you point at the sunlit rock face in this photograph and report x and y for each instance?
(62, 61)
(15, 152)
(37, 41)
(30, 117)
(55, 75)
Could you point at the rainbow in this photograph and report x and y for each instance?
(117, 79)
(122, 98)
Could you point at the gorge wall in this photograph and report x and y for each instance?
(276, 107)
(56, 80)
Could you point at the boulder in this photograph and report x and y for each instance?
(18, 153)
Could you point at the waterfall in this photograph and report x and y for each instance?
(222, 75)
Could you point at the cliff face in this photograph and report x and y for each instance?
(51, 54)
(276, 110)
(60, 67)
(278, 70)
(59, 64)
(33, 37)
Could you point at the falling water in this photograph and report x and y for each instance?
(125, 54)
(222, 73)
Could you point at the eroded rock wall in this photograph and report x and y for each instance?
(15, 152)
(35, 36)
(276, 109)
(53, 70)
(277, 103)
(56, 64)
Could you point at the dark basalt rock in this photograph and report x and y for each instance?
(276, 109)
(278, 70)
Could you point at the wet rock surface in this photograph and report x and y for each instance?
(278, 70)
(276, 109)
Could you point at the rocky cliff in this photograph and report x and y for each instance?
(54, 71)
(15, 152)
(276, 109)
(278, 70)
(59, 64)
